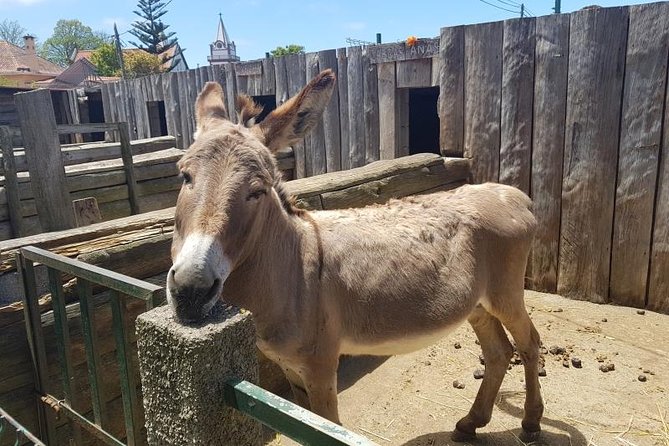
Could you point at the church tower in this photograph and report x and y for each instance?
(222, 49)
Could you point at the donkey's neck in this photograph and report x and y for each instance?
(280, 269)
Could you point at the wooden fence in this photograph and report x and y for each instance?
(571, 109)
(568, 107)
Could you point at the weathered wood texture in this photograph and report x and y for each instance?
(596, 68)
(387, 87)
(295, 67)
(640, 141)
(371, 109)
(11, 182)
(483, 94)
(414, 73)
(331, 125)
(356, 111)
(38, 126)
(517, 96)
(550, 104)
(342, 89)
(452, 91)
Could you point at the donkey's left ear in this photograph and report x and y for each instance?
(210, 105)
(289, 123)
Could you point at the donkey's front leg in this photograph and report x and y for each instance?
(320, 379)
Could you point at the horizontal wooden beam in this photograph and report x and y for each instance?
(66, 129)
(395, 52)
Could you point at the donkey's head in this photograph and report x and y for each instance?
(231, 187)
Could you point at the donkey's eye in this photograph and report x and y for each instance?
(256, 194)
(186, 177)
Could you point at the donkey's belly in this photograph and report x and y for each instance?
(396, 345)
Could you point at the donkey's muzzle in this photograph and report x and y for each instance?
(192, 299)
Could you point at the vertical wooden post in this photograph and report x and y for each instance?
(45, 163)
(11, 183)
(128, 166)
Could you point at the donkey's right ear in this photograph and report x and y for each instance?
(292, 120)
(210, 105)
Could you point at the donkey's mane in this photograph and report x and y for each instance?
(287, 200)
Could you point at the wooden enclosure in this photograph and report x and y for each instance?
(570, 108)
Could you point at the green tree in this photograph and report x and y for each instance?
(140, 63)
(150, 30)
(67, 36)
(105, 60)
(288, 49)
(11, 31)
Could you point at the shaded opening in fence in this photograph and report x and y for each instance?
(95, 114)
(423, 120)
(157, 119)
(268, 103)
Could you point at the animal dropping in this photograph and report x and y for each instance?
(325, 283)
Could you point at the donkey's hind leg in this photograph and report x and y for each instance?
(497, 351)
(527, 344)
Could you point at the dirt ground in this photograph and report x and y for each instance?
(410, 400)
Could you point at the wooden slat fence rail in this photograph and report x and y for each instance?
(571, 108)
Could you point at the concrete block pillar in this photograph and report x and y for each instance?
(183, 369)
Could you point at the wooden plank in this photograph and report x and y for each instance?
(371, 108)
(452, 91)
(128, 166)
(658, 282)
(402, 121)
(281, 77)
(296, 81)
(47, 172)
(172, 108)
(392, 52)
(181, 80)
(268, 78)
(315, 160)
(11, 183)
(231, 90)
(342, 88)
(414, 73)
(66, 129)
(250, 68)
(483, 93)
(597, 44)
(356, 110)
(387, 110)
(86, 211)
(436, 71)
(643, 101)
(550, 104)
(517, 96)
(331, 127)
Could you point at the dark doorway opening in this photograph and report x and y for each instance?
(95, 113)
(157, 119)
(423, 120)
(268, 103)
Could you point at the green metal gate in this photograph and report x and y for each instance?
(271, 410)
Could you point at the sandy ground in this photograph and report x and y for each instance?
(410, 400)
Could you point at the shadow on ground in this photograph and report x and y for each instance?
(354, 368)
(560, 434)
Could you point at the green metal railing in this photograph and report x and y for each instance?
(271, 410)
(290, 419)
(121, 289)
(21, 434)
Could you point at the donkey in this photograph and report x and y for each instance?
(381, 280)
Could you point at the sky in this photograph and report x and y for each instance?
(258, 26)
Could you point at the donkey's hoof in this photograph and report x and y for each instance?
(527, 436)
(462, 436)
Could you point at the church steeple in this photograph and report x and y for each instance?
(222, 49)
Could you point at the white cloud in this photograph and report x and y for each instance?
(355, 26)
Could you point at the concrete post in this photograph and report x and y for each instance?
(183, 369)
